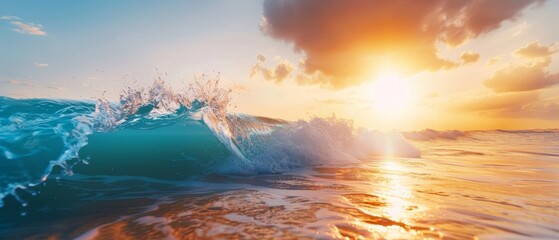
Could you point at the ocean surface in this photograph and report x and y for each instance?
(164, 165)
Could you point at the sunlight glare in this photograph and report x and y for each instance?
(392, 96)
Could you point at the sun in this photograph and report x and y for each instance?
(392, 96)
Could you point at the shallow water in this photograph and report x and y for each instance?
(490, 185)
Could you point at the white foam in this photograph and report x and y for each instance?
(318, 141)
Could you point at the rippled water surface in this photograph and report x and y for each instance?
(487, 185)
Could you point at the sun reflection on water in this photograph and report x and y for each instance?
(398, 192)
(389, 211)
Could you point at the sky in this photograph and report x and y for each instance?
(387, 65)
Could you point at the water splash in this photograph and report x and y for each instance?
(42, 137)
(34, 130)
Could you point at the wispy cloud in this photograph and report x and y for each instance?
(41, 65)
(512, 105)
(18, 82)
(29, 28)
(9, 18)
(24, 28)
(495, 102)
(494, 60)
(519, 29)
(57, 88)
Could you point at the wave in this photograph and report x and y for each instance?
(528, 131)
(158, 133)
(430, 134)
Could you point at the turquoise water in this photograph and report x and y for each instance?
(158, 164)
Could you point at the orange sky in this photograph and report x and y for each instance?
(419, 64)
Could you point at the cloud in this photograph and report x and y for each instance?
(494, 60)
(277, 74)
(57, 88)
(29, 28)
(313, 78)
(24, 83)
(469, 57)
(526, 77)
(518, 30)
(521, 78)
(543, 109)
(517, 87)
(536, 50)
(24, 28)
(41, 65)
(9, 18)
(496, 102)
(513, 105)
(351, 41)
(18, 82)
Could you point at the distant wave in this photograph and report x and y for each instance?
(158, 133)
(430, 134)
(529, 131)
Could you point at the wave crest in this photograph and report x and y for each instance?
(41, 135)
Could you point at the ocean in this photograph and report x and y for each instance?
(162, 165)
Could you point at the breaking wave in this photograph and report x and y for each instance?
(159, 133)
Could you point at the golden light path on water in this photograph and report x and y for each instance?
(398, 190)
(389, 207)
(399, 209)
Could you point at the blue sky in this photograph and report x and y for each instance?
(95, 44)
